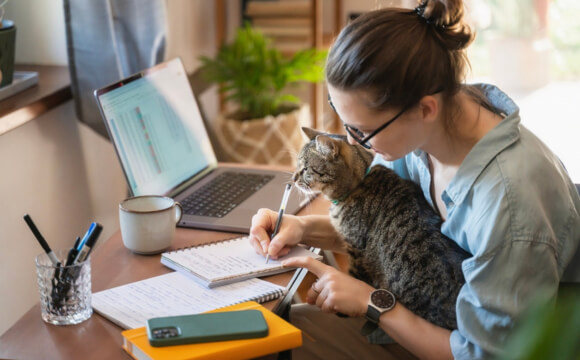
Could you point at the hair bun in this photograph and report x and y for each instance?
(443, 13)
(446, 15)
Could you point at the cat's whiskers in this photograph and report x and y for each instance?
(291, 153)
(307, 192)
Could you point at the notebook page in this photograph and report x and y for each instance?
(228, 259)
(129, 306)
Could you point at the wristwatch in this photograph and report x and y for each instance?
(380, 302)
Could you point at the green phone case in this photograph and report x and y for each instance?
(207, 327)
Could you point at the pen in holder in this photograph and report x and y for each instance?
(65, 291)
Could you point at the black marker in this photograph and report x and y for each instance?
(73, 252)
(89, 244)
(41, 241)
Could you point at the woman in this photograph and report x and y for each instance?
(505, 198)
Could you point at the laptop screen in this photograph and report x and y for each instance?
(156, 126)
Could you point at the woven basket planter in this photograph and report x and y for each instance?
(271, 140)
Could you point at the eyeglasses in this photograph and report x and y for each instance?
(358, 135)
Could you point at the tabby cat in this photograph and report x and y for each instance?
(392, 233)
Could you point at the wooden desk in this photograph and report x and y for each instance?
(97, 338)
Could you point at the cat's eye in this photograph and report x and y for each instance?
(317, 172)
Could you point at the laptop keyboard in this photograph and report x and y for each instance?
(226, 191)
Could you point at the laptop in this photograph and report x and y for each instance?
(156, 127)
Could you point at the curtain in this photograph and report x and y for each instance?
(108, 40)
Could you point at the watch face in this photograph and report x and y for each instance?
(383, 299)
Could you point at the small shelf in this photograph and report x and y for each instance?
(53, 89)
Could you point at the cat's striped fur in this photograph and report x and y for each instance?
(393, 235)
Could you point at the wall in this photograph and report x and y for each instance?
(54, 167)
(34, 44)
(46, 173)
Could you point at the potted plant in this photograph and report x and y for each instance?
(263, 125)
(7, 47)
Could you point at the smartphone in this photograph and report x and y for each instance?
(207, 327)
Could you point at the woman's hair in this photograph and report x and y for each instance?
(398, 56)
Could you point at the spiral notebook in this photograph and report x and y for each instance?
(227, 261)
(130, 305)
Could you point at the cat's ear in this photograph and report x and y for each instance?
(311, 133)
(327, 146)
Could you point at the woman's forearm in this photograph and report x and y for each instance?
(319, 232)
(424, 339)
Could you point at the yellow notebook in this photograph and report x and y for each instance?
(282, 336)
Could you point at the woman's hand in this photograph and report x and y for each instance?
(289, 235)
(334, 291)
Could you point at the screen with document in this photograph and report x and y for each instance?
(157, 127)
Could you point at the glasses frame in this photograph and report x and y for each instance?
(357, 135)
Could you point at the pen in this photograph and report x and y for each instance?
(89, 244)
(86, 236)
(72, 253)
(41, 240)
(77, 242)
(280, 214)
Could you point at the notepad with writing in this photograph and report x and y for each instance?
(281, 336)
(130, 305)
(227, 261)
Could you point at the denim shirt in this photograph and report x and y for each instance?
(513, 206)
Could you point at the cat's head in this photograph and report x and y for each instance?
(329, 164)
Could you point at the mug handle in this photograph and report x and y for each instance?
(178, 214)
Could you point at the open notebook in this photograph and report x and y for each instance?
(227, 261)
(130, 305)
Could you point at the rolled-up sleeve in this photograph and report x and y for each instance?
(499, 286)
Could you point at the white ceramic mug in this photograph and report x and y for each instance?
(148, 223)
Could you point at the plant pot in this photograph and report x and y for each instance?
(7, 51)
(273, 140)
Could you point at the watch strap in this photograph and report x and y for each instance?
(368, 328)
(373, 314)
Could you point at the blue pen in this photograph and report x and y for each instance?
(95, 231)
(86, 236)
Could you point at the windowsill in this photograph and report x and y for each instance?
(52, 90)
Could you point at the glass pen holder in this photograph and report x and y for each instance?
(65, 291)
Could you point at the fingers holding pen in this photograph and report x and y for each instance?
(262, 221)
(263, 224)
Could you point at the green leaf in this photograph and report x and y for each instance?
(547, 332)
(256, 77)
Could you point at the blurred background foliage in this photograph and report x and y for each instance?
(548, 332)
(556, 20)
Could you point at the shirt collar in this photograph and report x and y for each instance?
(489, 147)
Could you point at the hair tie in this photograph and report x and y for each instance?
(420, 11)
